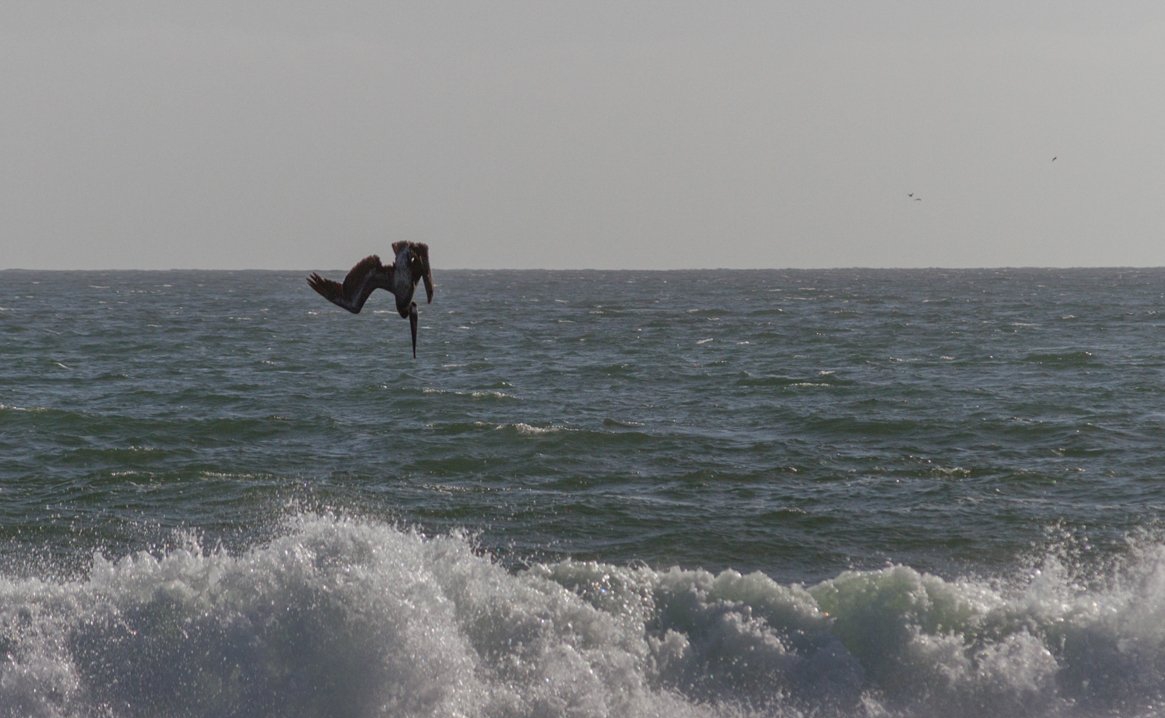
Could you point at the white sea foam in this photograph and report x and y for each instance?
(340, 617)
(474, 394)
(529, 429)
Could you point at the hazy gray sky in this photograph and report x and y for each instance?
(283, 134)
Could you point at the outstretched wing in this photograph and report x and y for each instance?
(367, 275)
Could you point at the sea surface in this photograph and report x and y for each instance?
(873, 493)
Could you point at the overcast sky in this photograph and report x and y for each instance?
(291, 135)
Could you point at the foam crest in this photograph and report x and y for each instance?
(341, 616)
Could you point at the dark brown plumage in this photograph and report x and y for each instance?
(361, 280)
(369, 274)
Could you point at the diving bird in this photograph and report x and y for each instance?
(400, 278)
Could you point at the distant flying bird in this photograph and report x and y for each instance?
(911, 195)
(1054, 158)
(400, 278)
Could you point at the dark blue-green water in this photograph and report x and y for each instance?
(780, 493)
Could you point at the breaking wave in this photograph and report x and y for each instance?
(349, 617)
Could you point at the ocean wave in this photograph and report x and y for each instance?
(340, 616)
(519, 428)
(472, 394)
(823, 379)
(1066, 359)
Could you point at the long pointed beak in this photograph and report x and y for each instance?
(413, 326)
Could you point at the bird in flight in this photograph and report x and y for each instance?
(410, 266)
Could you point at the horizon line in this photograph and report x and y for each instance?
(935, 267)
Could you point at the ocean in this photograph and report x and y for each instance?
(873, 493)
